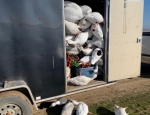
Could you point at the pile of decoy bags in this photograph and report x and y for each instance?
(84, 36)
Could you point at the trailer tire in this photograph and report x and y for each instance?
(14, 103)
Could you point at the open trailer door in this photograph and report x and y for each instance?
(125, 33)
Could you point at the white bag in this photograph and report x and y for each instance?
(72, 14)
(97, 31)
(71, 28)
(94, 17)
(86, 10)
(84, 24)
(81, 80)
(72, 4)
(80, 39)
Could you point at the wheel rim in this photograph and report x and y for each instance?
(10, 109)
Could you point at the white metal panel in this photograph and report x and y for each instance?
(146, 45)
(124, 59)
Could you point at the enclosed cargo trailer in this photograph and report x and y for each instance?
(145, 47)
(33, 54)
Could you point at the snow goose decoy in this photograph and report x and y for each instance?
(97, 31)
(68, 109)
(80, 39)
(82, 108)
(89, 32)
(69, 37)
(86, 10)
(86, 51)
(72, 14)
(120, 110)
(71, 28)
(99, 62)
(72, 50)
(96, 55)
(60, 101)
(84, 24)
(93, 40)
(85, 61)
(95, 17)
(96, 69)
(96, 42)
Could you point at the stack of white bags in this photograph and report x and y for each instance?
(82, 26)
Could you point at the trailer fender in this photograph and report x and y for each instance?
(18, 85)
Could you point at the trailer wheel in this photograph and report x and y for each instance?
(14, 103)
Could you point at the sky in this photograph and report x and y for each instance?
(146, 20)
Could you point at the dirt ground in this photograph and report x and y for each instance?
(122, 88)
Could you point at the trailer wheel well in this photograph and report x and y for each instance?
(26, 93)
(23, 91)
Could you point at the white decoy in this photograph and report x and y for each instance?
(72, 50)
(80, 39)
(99, 62)
(60, 101)
(81, 80)
(120, 110)
(69, 37)
(85, 59)
(71, 28)
(72, 14)
(96, 55)
(97, 31)
(96, 69)
(68, 109)
(93, 39)
(84, 24)
(72, 4)
(82, 108)
(96, 42)
(89, 32)
(86, 51)
(86, 10)
(95, 17)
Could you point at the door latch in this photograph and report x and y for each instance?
(139, 40)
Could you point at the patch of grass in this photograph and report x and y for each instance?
(137, 105)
